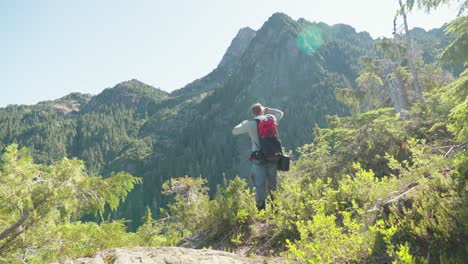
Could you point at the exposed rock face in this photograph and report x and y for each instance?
(166, 255)
(229, 63)
(238, 45)
(67, 104)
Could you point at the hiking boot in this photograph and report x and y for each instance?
(261, 205)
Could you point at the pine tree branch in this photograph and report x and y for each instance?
(12, 228)
(7, 232)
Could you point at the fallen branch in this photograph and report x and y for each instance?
(453, 147)
(402, 197)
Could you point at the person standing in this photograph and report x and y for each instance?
(264, 171)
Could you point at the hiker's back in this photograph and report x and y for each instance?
(251, 126)
(268, 137)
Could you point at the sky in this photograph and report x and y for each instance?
(49, 48)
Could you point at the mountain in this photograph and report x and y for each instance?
(130, 94)
(228, 63)
(238, 46)
(67, 104)
(275, 71)
(291, 65)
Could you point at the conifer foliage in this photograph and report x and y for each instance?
(38, 204)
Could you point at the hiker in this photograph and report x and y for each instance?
(264, 169)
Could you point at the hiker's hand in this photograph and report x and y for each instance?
(265, 110)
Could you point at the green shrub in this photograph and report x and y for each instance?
(191, 212)
(38, 204)
(322, 240)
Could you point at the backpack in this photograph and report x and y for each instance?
(270, 144)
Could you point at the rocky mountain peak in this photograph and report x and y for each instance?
(279, 18)
(228, 63)
(135, 86)
(130, 93)
(80, 97)
(280, 23)
(238, 45)
(69, 103)
(131, 82)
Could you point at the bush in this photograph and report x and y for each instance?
(38, 204)
(191, 213)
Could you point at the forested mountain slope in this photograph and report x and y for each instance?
(379, 131)
(291, 65)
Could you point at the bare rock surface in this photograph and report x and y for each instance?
(167, 255)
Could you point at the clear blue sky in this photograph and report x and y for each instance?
(49, 49)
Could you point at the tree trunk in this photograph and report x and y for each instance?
(410, 56)
(395, 88)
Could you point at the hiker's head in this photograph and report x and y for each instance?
(257, 109)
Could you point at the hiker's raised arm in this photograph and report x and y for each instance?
(240, 128)
(277, 113)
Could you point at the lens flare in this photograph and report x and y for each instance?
(310, 39)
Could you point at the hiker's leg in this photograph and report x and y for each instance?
(260, 173)
(272, 177)
(272, 183)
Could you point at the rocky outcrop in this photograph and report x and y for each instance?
(238, 45)
(67, 104)
(229, 63)
(166, 255)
